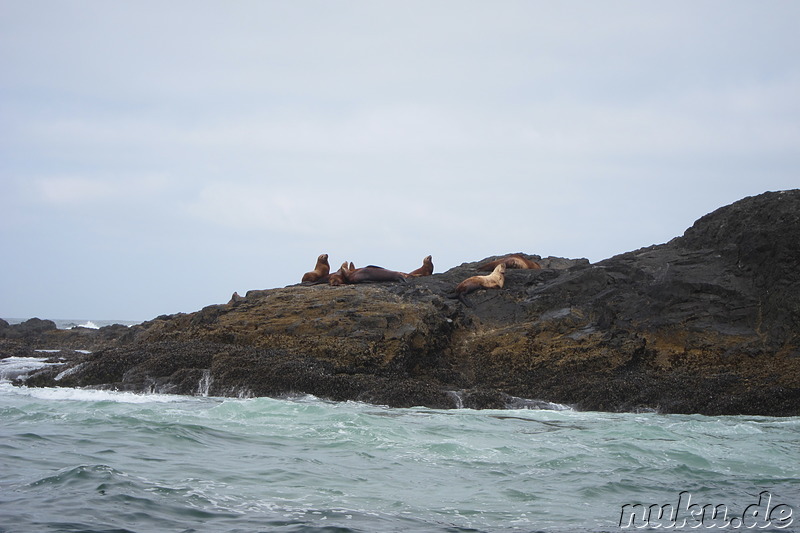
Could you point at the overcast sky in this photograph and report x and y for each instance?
(157, 156)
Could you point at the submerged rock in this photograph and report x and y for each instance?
(706, 323)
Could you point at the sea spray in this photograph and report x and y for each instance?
(12, 368)
(204, 386)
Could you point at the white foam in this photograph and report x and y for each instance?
(72, 324)
(20, 367)
(90, 395)
(536, 405)
(69, 371)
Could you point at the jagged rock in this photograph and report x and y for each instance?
(708, 322)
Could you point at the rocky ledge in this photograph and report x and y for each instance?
(706, 323)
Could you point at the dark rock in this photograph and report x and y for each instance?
(708, 322)
(29, 328)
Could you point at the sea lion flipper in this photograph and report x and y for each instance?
(463, 300)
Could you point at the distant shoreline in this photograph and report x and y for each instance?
(69, 323)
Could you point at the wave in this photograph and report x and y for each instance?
(12, 368)
(90, 395)
(514, 403)
(92, 324)
(159, 506)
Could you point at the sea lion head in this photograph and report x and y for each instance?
(339, 277)
(516, 262)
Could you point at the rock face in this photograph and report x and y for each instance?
(706, 323)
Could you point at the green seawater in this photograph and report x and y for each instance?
(99, 461)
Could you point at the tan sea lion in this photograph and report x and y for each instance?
(372, 273)
(495, 280)
(425, 270)
(511, 261)
(321, 270)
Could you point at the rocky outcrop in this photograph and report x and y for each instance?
(708, 322)
(25, 338)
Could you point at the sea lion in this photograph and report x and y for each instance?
(321, 270)
(235, 299)
(511, 261)
(495, 280)
(372, 273)
(425, 270)
(337, 278)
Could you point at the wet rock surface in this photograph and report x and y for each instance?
(706, 323)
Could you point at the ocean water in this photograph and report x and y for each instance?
(77, 460)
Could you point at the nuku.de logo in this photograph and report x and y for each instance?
(687, 514)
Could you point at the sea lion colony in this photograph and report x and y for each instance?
(349, 274)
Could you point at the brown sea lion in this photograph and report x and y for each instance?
(321, 270)
(425, 270)
(372, 273)
(337, 278)
(495, 280)
(235, 299)
(511, 261)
